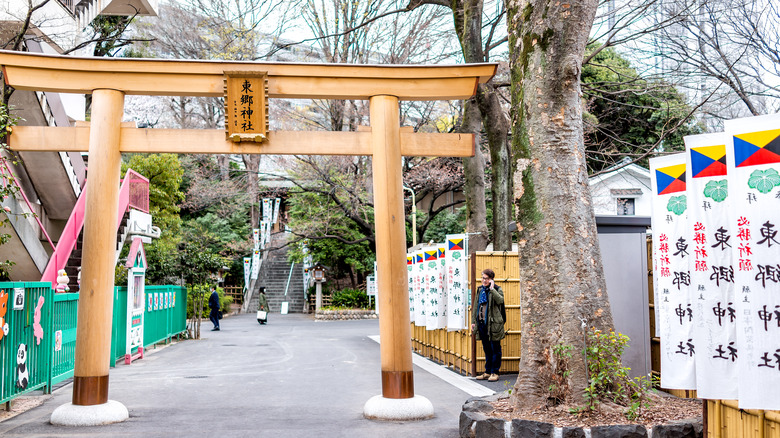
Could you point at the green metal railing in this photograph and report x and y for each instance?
(64, 343)
(28, 315)
(165, 316)
(119, 325)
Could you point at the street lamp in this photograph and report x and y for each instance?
(414, 216)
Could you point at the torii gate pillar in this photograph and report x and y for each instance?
(90, 404)
(397, 401)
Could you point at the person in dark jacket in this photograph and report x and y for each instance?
(214, 305)
(488, 323)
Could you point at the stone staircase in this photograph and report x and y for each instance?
(273, 277)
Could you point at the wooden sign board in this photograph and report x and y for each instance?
(246, 106)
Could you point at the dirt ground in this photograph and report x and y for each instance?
(21, 404)
(663, 409)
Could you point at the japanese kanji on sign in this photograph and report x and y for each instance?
(246, 106)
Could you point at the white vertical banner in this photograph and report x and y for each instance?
(263, 235)
(256, 237)
(433, 293)
(275, 217)
(442, 285)
(712, 273)
(255, 264)
(247, 270)
(753, 155)
(456, 279)
(267, 210)
(410, 283)
(419, 295)
(673, 254)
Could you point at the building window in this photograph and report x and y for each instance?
(625, 206)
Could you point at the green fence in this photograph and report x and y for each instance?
(165, 316)
(64, 344)
(26, 345)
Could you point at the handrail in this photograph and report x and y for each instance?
(75, 223)
(27, 201)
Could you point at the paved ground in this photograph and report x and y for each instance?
(291, 378)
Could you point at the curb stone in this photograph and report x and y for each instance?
(475, 424)
(349, 314)
(468, 422)
(531, 429)
(490, 428)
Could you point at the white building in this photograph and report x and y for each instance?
(623, 191)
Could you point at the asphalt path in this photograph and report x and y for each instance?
(293, 377)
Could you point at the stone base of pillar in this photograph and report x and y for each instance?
(398, 409)
(93, 415)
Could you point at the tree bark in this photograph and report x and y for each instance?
(497, 129)
(467, 16)
(562, 282)
(474, 186)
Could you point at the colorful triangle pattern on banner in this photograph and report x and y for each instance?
(431, 255)
(670, 179)
(409, 260)
(754, 148)
(441, 252)
(708, 161)
(418, 258)
(455, 244)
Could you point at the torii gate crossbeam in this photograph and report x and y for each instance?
(109, 80)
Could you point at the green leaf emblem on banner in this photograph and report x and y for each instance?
(764, 180)
(718, 191)
(677, 205)
(432, 264)
(456, 255)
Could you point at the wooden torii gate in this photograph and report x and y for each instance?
(109, 80)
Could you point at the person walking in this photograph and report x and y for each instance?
(262, 306)
(214, 305)
(487, 322)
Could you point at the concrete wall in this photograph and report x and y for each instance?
(623, 244)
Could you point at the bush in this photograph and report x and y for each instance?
(607, 377)
(350, 298)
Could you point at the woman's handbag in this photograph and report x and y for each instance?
(262, 315)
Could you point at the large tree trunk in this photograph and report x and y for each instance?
(474, 186)
(497, 127)
(467, 15)
(562, 282)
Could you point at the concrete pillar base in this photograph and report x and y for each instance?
(403, 409)
(93, 415)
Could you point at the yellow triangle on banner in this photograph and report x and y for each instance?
(673, 171)
(715, 152)
(760, 138)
